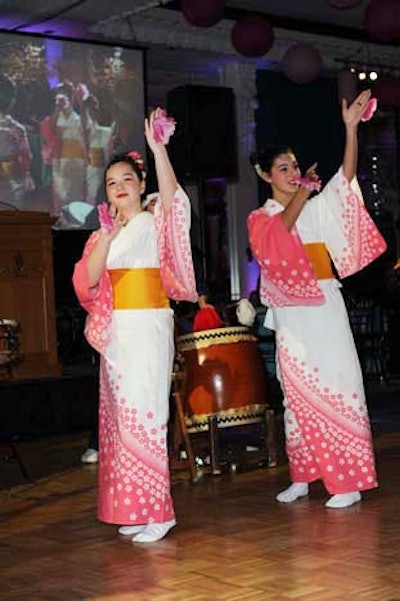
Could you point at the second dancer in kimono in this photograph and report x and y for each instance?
(124, 280)
(294, 239)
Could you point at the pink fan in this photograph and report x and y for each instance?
(163, 127)
(82, 91)
(308, 184)
(106, 223)
(370, 110)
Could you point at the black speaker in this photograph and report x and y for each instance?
(204, 144)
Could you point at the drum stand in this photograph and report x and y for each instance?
(8, 358)
(180, 434)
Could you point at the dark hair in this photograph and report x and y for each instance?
(265, 158)
(7, 93)
(123, 157)
(65, 87)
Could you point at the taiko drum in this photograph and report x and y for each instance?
(225, 377)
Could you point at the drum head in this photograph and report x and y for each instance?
(8, 322)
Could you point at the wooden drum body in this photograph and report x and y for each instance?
(225, 378)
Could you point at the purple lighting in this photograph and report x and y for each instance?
(53, 51)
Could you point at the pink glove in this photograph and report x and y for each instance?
(308, 184)
(163, 127)
(106, 223)
(370, 110)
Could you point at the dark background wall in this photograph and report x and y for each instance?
(306, 117)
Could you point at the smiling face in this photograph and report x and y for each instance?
(281, 178)
(124, 188)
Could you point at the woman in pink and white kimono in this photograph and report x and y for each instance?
(294, 239)
(129, 269)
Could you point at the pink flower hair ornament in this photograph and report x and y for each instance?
(82, 91)
(163, 127)
(137, 157)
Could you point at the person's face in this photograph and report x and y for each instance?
(123, 188)
(62, 102)
(282, 177)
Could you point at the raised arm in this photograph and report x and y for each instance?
(167, 182)
(293, 209)
(96, 261)
(351, 117)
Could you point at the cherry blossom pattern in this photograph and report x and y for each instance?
(133, 468)
(174, 249)
(287, 275)
(327, 433)
(362, 241)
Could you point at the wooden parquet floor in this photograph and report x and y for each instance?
(232, 542)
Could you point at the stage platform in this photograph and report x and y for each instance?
(45, 406)
(50, 420)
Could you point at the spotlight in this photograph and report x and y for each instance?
(362, 76)
(373, 75)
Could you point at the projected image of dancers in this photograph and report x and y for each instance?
(65, 108)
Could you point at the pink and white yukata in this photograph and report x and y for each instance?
(137, 349)
(327, 426)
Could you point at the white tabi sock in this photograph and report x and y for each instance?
(293, 492)
(343, 500)
(153, 532)
(129, 530)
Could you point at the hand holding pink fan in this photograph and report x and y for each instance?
(163, 127)
(370, 109)
(106, 222)
(308, 184)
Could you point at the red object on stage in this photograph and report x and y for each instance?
(207, 319)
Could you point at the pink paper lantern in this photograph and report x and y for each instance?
(343, 4)
(302, 63)
(203, 13)
(252, 36)
(387, 91)
(382, 20)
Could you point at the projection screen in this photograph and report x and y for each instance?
(65, 108)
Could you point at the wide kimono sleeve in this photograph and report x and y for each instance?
(287, 276)
(96, 300)
(351, 236)
(174, 249)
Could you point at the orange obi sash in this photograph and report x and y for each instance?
(71, 149)
(138, 289)
(6, 170)
(97, 158)
(320, 260)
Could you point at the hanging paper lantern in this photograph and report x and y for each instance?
(387, 91)
(252, 36)
(343, 4)
(302, 63)
(203, 13)
(347, 85)
(382, 20)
